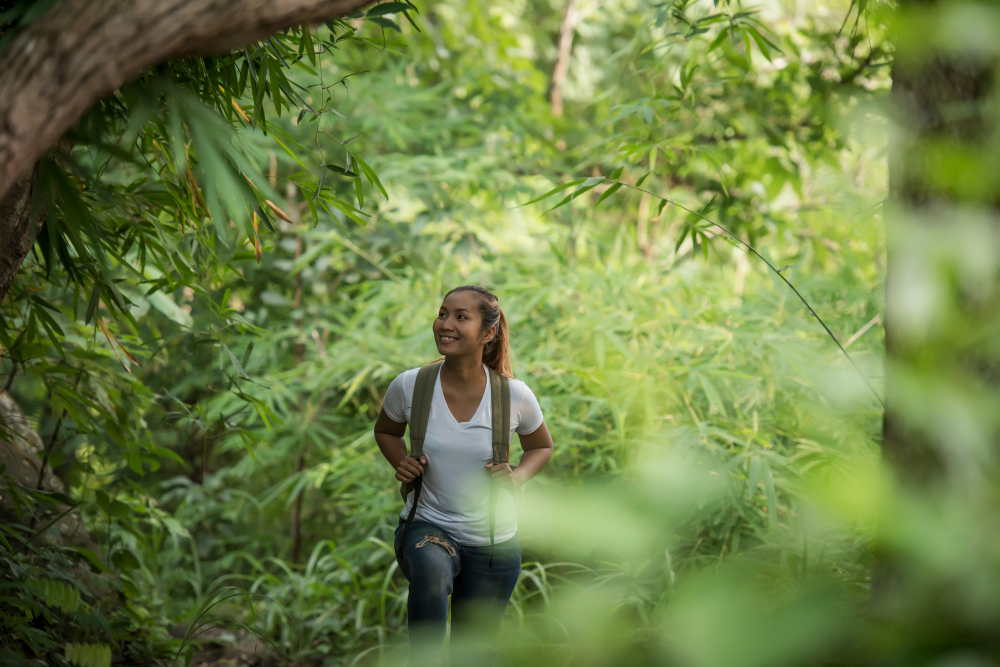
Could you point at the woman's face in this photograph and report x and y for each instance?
(458, 329)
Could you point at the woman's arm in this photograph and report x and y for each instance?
(537, 447)
(389, 438)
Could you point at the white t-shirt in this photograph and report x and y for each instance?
(455, 493)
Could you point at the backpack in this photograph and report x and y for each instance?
(423, 393)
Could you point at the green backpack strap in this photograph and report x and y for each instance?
(420, 412)
(500, 402)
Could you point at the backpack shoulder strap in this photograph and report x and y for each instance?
(420, 410)
(500, 399)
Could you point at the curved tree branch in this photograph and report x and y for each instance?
(82, 51)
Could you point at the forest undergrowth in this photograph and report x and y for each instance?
(205, 391)
(689, 423)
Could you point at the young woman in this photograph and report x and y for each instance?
(447, 549)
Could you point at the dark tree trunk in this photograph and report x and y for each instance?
(18, 228)
(943, 104)
(938, 100)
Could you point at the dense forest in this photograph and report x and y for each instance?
(748, 252)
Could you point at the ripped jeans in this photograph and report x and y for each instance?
(436, 567)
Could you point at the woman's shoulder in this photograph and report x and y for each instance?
(407, 378)
(514, 382)
(518, 388)
(399, 395)
(412, 372)
(524, 404)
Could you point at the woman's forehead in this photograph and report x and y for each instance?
(464, 299)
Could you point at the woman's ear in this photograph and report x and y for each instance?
(489, 334)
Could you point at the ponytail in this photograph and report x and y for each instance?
(496, 354)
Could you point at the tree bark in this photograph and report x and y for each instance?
(23, 454)
(18, 228)
(81, 51)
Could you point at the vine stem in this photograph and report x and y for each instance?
(749, 247)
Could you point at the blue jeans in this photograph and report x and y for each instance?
(436, 567)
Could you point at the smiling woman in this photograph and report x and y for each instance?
(457, 531)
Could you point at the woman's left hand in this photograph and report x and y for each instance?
(503, 475)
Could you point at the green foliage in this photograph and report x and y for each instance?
(629, 341)
(716, 486)
(58, 609)
(59, 595)
(88, 655)
(153, 200)
(149, 198)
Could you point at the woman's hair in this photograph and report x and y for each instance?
(496, 354)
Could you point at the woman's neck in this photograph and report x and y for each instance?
(463, 370)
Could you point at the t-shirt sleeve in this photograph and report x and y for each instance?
(529, 414)
(394, 402)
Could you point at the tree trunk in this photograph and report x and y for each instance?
(935, 318)
(23, 454)
(18, 228)
(939, 100)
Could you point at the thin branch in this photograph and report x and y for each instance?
(570, 18)
(10, 378)
(55, 434)
(45, 527)
(48, 448)
(861, 332)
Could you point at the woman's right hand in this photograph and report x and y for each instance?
(409, 468)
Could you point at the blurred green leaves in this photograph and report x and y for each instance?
(715, 487)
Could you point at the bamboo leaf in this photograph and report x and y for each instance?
(387, 8)
(369, 174)
(586, 185)
(607, 193)
(558, 188)
(340, 170)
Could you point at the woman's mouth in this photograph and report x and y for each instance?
(447, 339)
